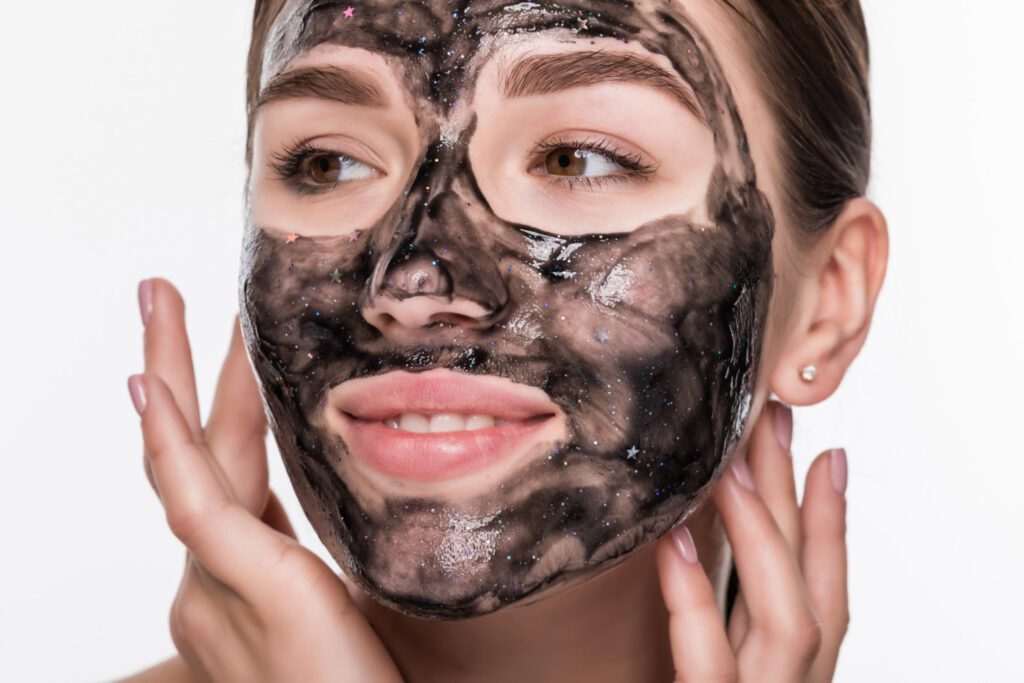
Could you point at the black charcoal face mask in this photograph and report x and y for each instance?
(647, 339)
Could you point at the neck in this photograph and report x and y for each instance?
(613, 627)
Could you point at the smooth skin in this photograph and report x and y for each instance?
(254, 605)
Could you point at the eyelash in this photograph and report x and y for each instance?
(638, 169)
(288, 164)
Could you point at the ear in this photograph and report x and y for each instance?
(835, 303)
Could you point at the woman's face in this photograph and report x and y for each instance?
(505, 285)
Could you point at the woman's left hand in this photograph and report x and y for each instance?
(792, 612)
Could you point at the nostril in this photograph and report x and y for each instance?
(400, 317)
(382, 320)
(455, 320)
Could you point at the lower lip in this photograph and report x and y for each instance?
(445, 455)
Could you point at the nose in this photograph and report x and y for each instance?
(417, 294)
(442, 273)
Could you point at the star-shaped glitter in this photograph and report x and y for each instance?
(631, 453)
(602, 336)
(290, 239)
(582, 24)
(354, 236)
(336, 275)
(349, 12)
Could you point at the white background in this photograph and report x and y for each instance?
(122, 132)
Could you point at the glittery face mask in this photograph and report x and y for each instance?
(596, 381)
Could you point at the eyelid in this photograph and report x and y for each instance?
(596, 141)
(638, 169)
(286, 164)
(336, 144)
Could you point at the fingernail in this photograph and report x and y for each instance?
(742, 472)
(137, 389)
(783, 415)
(683, 540)
(838, 469)
(146, 300)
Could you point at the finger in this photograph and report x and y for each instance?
(784, 634)
(201, 511)
(739, 622)
(824, 557)
(237, 428)
(168, 353)
(772, 466)
(700, 647)
(268, 570)
(196, 625)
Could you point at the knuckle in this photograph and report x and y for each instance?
(802, 638)
(724, 675)
(843, 622)
(294, 560)
(835, 620)
(189, 620)
(188, 521)
(730, 675)
(160, 451)
(806, 638)
(148, 468)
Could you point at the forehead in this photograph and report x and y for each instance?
(440, 45)
(442, 37)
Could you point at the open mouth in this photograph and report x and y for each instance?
(440, 424)
(446, 423)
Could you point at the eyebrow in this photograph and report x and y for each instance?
(550, 73)
(337, 83)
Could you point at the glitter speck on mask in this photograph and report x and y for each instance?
(522, 7)
(467, 543)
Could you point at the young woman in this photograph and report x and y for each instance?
(517, 283)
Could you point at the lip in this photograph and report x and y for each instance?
(357, 409)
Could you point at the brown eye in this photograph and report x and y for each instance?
(580, 163)
(566, 161)
(325, 169)
(332, 169)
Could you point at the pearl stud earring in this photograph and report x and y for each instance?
(808, 373)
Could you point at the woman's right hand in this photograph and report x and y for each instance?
(253, 604)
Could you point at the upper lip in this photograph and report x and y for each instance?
(439, 391)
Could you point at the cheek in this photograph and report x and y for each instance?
(786, 306)
(297, 295)
(632, 299)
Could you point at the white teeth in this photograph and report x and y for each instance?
(447, 422)
(475, 422)
(415, 423)
(441, 423)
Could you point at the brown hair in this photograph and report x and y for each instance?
(263, 18)
(811, 59)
